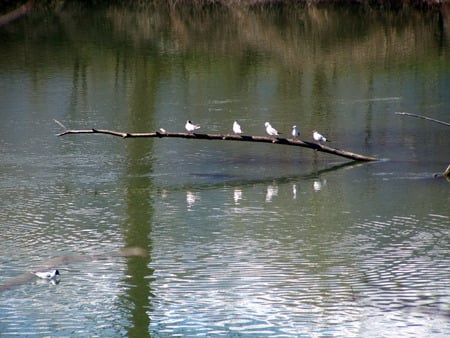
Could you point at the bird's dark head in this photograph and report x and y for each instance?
(57, 273)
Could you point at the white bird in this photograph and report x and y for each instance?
(270, 130)
(237, 128)
(190, 127)
(318, 137)
(295, 131)
(47, 274)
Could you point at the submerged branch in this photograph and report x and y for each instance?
(227, 137)
(17, 13)
(64, 260)
(424, 118)
(447, 172)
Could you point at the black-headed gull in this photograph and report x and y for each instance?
(319, 138)
(295, 131)
(270, 130)
(190, 127)
(47, 274)
(237, 128)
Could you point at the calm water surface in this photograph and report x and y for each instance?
(240, 239)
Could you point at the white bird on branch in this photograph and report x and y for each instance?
(295, 132)
(190, 127)
(319, 138)
(271, 130)
(237, 128)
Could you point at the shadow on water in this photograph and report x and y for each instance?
(139, 205)
(231, 181)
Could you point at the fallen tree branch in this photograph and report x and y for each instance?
(424, 118)
(225, 137)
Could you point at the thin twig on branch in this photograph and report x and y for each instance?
(225, 137)
(424, 118)
(447, 171)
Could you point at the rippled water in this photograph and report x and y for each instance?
(239, 240)
(256, 268)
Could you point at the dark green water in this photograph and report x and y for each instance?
(240, 239)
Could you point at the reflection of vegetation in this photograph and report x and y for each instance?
(289, 33)
(310, 46)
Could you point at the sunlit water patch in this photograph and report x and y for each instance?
(252, 269)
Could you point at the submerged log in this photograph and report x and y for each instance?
(225, 137)
(424, 118)
(17, 13)
(64, 260)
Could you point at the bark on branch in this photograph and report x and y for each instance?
(225, 137)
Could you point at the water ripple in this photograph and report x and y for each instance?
(269, 279)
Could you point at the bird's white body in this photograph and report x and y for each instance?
(237, 128)
(318, 137)
(47, 274)
(190, 127)
(270, 130)
(295, 131)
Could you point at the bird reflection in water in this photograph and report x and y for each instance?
(319, 184)
(237, 195)
(191, 199)
(272, 190)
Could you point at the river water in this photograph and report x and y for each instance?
(239, 239)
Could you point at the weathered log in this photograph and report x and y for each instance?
(225, 137)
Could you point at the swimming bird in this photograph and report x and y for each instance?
(47, 274)
(318, 137)
(190, 127)
(270, 130)
(237, 128)
(295, 131)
